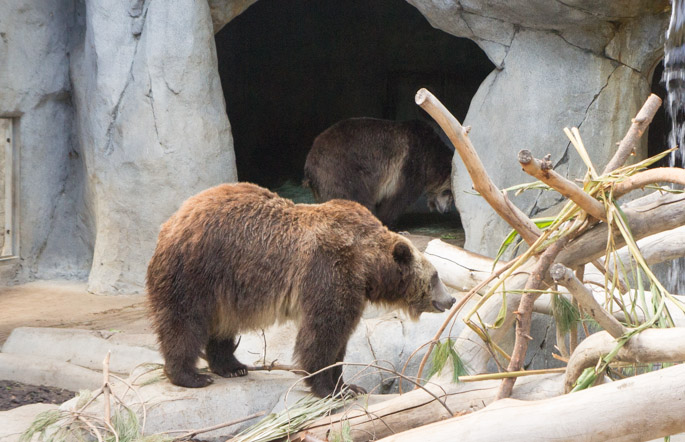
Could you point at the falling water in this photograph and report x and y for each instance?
(674, 80)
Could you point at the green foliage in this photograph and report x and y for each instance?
(566, 314)
(125, 423)
(345, 434)
(585, 380)
(542, 223)
(441, 353)
(448, 236)
(40, 425)
(291, 420)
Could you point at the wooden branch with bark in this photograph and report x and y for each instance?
(526, 278)
(564, 276)
(543, 171)
(481, 180)
(638, 127)
(651, 406)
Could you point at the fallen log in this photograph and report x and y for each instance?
(639, 408)
(419, 408)
(646, 216)
(651, 345)
(459, 268)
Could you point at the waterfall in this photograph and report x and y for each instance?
(674, 80)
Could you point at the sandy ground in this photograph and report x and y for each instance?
(67, 304)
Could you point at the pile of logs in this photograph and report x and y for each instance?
(540, 406)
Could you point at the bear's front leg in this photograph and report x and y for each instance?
(320, 345)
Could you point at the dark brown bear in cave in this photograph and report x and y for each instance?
(383, 165)
(238, 257)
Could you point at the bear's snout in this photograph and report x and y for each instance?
(441, 299)
(441, 307)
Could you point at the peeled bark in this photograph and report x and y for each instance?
(640, 408)
(652, 345)
(419, 408)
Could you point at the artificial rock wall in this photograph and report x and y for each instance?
(561, 64)
(120, 114)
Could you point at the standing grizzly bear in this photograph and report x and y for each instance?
(383, 165)
(238, 257)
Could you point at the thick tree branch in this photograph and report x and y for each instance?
(652, 176)
(658, 213)
(481, 181)
(651, 345)
(640, 408)
(536, 281)
(639, 126)
(543, 171)
(418, 408)
(564, 276)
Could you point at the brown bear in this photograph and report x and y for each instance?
(383, 165)
(238, 257)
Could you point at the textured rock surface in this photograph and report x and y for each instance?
(40, 370)
(152, 123)
(120, 116)
(35, 91)
(14, 422)
(561, 64)
(79, 347)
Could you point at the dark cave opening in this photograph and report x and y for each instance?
(290, 69)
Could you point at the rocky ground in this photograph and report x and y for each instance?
(16, 394)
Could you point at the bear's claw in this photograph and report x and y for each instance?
(233, 372)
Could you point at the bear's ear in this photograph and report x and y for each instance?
(401, 253)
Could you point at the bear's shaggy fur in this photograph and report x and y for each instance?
(238, 257)
(383, 165)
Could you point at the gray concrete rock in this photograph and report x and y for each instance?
(79, 347)
(152, 123)
(35, 87)
(385, 340)
(224, 11)
(561, 64)
(170, 408)
(40, 370)
(15, 421)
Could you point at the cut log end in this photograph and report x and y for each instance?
(558, 272)
(421, 96)
(525, 156)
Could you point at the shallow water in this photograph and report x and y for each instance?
(444, 226)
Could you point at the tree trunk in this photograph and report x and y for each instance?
(640, 408)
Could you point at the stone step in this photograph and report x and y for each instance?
(38, 370)
(84, 348)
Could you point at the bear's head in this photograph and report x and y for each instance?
(441, 198)
(412, 283)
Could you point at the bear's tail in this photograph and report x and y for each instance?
(307, 183)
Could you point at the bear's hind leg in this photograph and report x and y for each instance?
(181, 350)
(221, 358)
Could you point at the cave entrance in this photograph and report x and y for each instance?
(290, 69)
